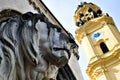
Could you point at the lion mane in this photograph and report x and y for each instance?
(32, 48)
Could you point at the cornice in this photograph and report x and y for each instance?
(100, 65)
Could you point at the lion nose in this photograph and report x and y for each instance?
(76, 52)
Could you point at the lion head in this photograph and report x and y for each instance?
(30, 45)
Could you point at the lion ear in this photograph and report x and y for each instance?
(27, 16)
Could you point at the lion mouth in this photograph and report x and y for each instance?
(62, 56)
(62, 49)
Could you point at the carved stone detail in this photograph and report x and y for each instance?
(32, 48)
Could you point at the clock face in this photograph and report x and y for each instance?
(96, 35)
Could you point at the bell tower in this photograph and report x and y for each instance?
(100, 39)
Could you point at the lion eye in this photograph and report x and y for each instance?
(59, 29)
(71, 40)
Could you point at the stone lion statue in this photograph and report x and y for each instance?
(32, 48)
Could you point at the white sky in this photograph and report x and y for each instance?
(64, 11)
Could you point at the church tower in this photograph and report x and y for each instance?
(100, 40)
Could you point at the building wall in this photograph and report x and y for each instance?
(18, 5)
(108, 62)
(74, 65)
(114, 71)
(102, 77)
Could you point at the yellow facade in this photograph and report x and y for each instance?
(101, 42)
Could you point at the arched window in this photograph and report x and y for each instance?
(103, 47)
